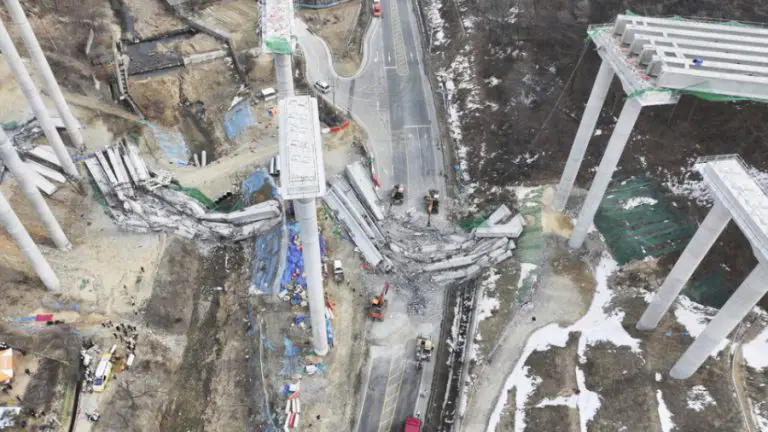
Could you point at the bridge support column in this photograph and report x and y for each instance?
(611, 157)
(735, 309)
(709, 230)
(583, 135)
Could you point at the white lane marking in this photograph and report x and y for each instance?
(389, 58)
(390, 67)
(421, 158)
(416, 126)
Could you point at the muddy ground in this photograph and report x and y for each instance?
(342, 28)
(513, 42)
(191, 371)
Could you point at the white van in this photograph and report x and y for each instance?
(322, 87)
(268, 94)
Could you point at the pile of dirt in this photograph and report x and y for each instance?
(165, 110)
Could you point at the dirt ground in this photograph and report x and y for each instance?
(151, 18)
(240, 18)
(328, 399)
(195, 98)
(338, 27)
(66, 55)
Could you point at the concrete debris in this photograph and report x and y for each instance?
(497, 217)
(484, 255)
(511, 229)
(360, 180)
(140, 202)
(371, 254)
(346, 194)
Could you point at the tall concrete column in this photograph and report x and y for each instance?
(13, 225)
(33, 46)
(583, 135)
(306, 214)
(284, 73)
(22, 175)
(711, 228)
(732, 313)
(611, 157)
(35, 101)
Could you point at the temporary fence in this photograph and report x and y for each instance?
(636, 221)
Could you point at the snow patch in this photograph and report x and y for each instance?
(665, 416)
(436, 23)
(570, 401)
(658, 377)
(486, 303)
(493, 81)
(595, 326)
(638, 201)
(695, 318)
(589, 401)
(699, 398)
(755, 352)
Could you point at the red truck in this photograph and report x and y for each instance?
(376, 8)
(412, 424)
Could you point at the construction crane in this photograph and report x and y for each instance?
(432, 201)
(379, 304)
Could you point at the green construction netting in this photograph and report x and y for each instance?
(472, 222)
(711, 289)
(196, 194)
(636, 221)
(280, 45)
(529, 246)
(97, 195)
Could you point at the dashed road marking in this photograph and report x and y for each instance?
(398, 41)
(392, 395)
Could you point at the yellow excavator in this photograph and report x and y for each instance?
(432, 201)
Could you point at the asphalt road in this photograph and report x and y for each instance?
(390, 98)
(391, 391)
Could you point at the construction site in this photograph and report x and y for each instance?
(383, 215)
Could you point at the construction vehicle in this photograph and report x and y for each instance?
(398, 194)
(376, 8)
(412, 424)
(338, 271)
(432, 201)
(379, 304)
(424, 348)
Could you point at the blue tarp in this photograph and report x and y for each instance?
(267, 246)
(238, 119)
(294, 263)
(172, 144)
(255, 182)
(329, 331)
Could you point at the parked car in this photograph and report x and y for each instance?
(322, 87)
